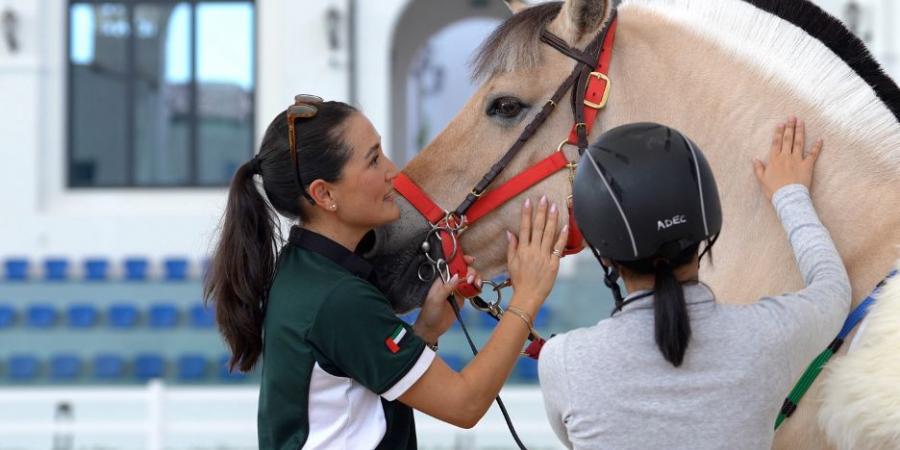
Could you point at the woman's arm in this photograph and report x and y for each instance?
(463, 398)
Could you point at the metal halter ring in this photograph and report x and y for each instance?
(426, 245)
(482, 305)
(431, 272)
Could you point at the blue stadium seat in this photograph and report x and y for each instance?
(56, 269)
(122, 315)
(456, 362)
(136, 269)
(410, 317)
(7, 316)
(201, 316)
(527, 370)
(542, 319)
(109, 367)
(149, 365)
(82, 315)
(16, 269)
(485, 320)
(41, 316)
(162, 315)
(23, 367)
(65, 367)
(204, 267)
(176, 269)
(191, 367)
(96, 269)
(225, 374)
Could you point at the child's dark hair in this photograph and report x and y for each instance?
(672, 325)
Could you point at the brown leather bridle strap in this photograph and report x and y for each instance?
(585, 63)
(527, 133)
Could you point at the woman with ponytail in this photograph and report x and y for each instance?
(673, 368)
(339, 369)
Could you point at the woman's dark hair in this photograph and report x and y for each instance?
(672, 325)
(243, 264)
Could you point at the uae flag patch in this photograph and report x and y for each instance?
(393, 342)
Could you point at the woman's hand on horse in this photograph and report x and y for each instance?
(533, 256)
(437, 316)
(787, 163)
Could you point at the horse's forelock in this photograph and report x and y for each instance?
(515, 44)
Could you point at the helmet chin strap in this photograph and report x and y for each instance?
(611, 274)
(610, 278)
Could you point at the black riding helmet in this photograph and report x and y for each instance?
(645, 190)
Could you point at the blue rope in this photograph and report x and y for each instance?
(862, 309)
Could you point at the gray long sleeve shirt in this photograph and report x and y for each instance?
(609, 387)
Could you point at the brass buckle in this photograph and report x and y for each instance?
(599, 76)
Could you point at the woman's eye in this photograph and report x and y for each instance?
(506, 107)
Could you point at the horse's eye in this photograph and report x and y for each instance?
(506, 107)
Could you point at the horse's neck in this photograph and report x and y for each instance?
(668, 71)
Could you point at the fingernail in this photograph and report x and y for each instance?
(528, 203)
(544, 200)
(508, 236)
(565, 229)
(553, 208)
(454, 278)
(470, 279)
(478, 283)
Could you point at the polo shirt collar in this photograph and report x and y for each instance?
(316, 243)
(695, 293)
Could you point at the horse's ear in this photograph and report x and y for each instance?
(581, 17)
(516, 6)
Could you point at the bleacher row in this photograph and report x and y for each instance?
(103, 269)
(106, 367)
(117, 315)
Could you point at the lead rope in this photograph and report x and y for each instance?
(512, 429)
(812, 371)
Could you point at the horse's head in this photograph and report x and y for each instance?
(520, 73)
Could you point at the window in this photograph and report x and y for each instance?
(161, 93)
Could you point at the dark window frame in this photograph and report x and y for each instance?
(193, 142)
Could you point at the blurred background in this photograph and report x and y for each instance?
(121, 123)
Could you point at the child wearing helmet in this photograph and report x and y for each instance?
(674, 368)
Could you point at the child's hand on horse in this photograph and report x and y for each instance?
(787, 163)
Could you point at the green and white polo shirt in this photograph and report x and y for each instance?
(335, 357)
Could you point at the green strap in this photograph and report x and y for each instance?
(809, 376)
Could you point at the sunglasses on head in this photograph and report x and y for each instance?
(304, 107)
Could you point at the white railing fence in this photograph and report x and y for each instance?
(158, 417)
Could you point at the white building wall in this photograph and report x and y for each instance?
(41, 217)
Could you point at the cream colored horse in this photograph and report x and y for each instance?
(724, 72)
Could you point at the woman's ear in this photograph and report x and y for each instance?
(320, 191)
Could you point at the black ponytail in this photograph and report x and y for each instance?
(243, 264)
(242, 267)
(671, 322)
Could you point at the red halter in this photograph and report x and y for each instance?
(448, 225)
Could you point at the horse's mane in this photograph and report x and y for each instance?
(831, 32)
(796, 45)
